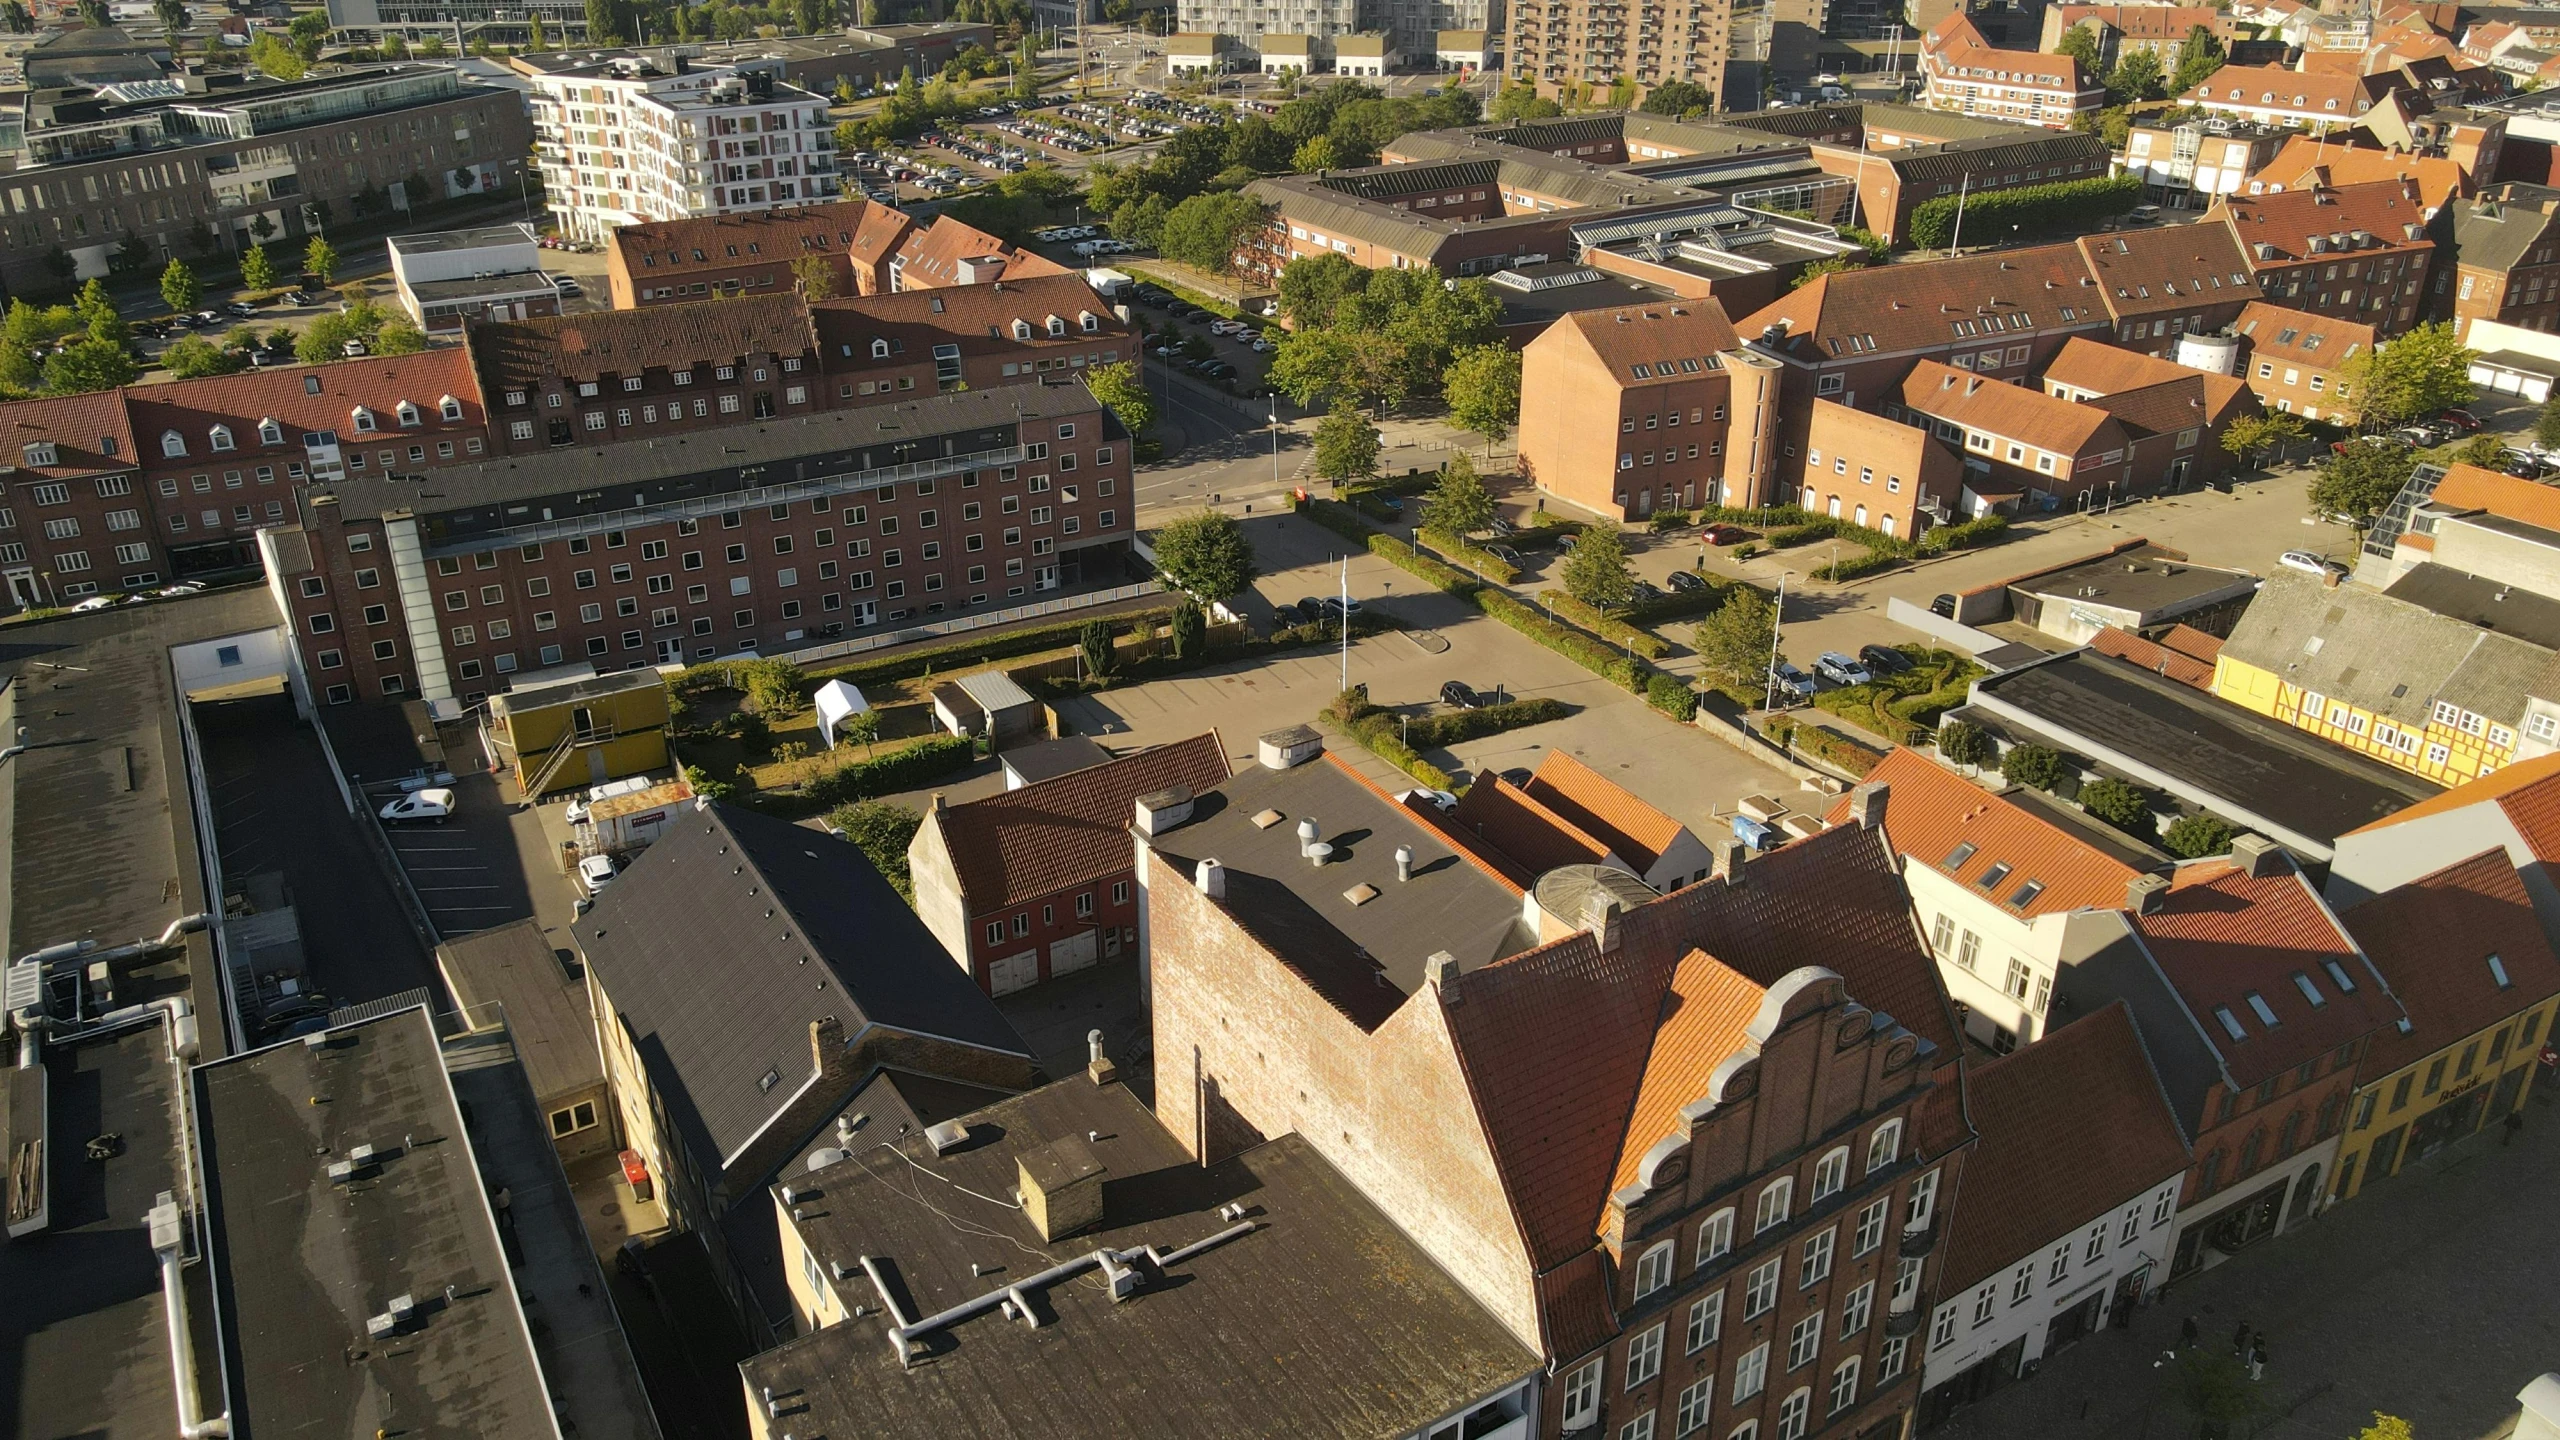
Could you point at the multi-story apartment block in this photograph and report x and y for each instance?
(656, 550)
(634, 139)
(596, 379)
(2356, 252)
(1968, 74)
(2160, 284)
(2507, 259)
(1724, 47)
(1037, 882)
(2079, 1160)
(1877, 472)
(262, 160)
(1901, 156)
(563, 21)
(2466, 957)
(75, 514)
(2185, 166)
(1629, 410)
(1247, 21)
(2122, 30)
(2272, 95)
(1741, 1230)
(1016, 332)
(2298, 362)
(672, 261)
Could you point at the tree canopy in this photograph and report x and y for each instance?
(1388, 337)
(1596, 573)
(1519, 101)
(1346, 445)
(1733, 643)
(1204, 231)
(1205, 554)
(1483, 386)
(2413, 377)
(1679, 99)
(2360, 481)
(1459, 504)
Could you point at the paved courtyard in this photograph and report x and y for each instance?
(2429, 1296)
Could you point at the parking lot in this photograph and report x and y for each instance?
(470, 872)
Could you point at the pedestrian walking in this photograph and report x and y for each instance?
(2240, 1342)
(2187, 1331)
(2258, 1359)
(2514, 1122)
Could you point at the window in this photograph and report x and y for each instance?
(1644, 1357)
(1890, 1359)
(1760, 1289)
(1774, 1202)
(1706, 1323)
(2096, 1249)
(1855, 1310)
(1986, 1301)
(1653, 1267)
(1830, 1175)
(1695, 1403)
(581, 1116)
(1815, 1265)
(1751, 1373)
(1715, 1236)
(1922, 1207)
(1870, 1231)
(1640, 1428)
(1804, 1341)
(1582, 1396)
(1844, 1385)
(1792, 1415)
(2022, 1283)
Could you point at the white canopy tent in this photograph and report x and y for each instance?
(837, 701)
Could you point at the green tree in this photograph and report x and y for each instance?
(2193, 837)
(2252, 436)
(1482, 383)
(277, 58)
(2212, 1388)
(324, 340)
(1820, 268)
(1346, 446)
(882, 830)
(308, 31)
(2033, 765)
(2485, 450)
(1960, 743)
(17, 19)
(1313, 285)
(1205, 555)
(1026, 71)
(433, 47)
(2360, 481)
(2124, 806)
(1141, 222)
(537, 39)
(2412, 377)
(172, 15)
(256, 270)
(814, 276)
(2115, 127)
(1099, 658)
(2546, 425)
(1459, 504)
(2198, 57)
(97, 310)
(1733, 643)
(1190, 629)
(1204, 231)
(604, 24)
(1678, 99)
(321, 259)
(193, 356)
(1118, 388)
(2061, 206)
(180, 287)
(1316, 154)
(812, 15)
(2387, 1427)
(399, 337)
(1596, 573)
(93, 13)
(2080, 42)
(2136, 77)
(1520, 101)
(86, 365)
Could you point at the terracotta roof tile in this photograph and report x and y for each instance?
(2305, 161)
(2145, 22)
(1530, 837)
(1934, 816)
(1675, 335)
(593, 344)
(2193, 643)
(290, 397)
(1704, 1014)
(2222, 936)
(2469, 487)
(1051, 836)
(91, 434)
(1886, 308)
(2432, 939)
(670, 246)
(2384, 209)
(2143, 388)
(931, 256)
(2168, 271)
(2321, 341)
(2528, 791)
(2155, 657)
(2012, 412)
(1604, 809)
(978, 317)
(2072, 1128)
(2275, 86)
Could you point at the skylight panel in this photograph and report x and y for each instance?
(1960, 854)
(2027, 894)
(2230, 1022)
(2310, 991)
(2498, 972)
(2259, 1007)
(1992, 877)
(2339, 977)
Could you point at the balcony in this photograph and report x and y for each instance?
(1915, 1243)
(1902, 1322)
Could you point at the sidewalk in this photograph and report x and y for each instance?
(2429, 1297)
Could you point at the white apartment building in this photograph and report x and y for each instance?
(1967, 74)
(650, 137)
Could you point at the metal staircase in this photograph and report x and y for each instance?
(571, 741)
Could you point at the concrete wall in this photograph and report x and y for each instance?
(248, 658)
(1983, 989)
(939, 903)
(2461, 545)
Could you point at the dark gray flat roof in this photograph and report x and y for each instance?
(2272, 770)
(515, 974)
(304, 1261)
(1525, 307)
(2147, 581)
(483, 287)
(1052, 758)
(1323, 1320)
(477, 237)
(2489, 604)
(1302, 910)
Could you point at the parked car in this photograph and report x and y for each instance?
(1440, 799)
(1839, 669)
(1566, 544)
(1458, 695)
(240, 310)
(1309, 608)
(1501, 526)
(2461, 420)
(97, 602)
(2310, 563)
(355, 349)
(1336, 605)
(419, 807)
(1885, 659)
(1687, 581)
(1944, 607)
(1790, 684)
(597, 871)
(183, 587)
(300, 298)
(1720, 535)
(1517, 777)
(567, 286)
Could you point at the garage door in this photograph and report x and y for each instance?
(1014, 972)
(1076, 952)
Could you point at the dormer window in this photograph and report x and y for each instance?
(221, 437)
(1092, 322)
(408, 412)
(269, 432)
(365, 422)
(40, 452)
(1021, 329)
(172, 443)
(449, 408)
(1057, 326)
(879, 349)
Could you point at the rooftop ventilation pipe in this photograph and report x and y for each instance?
(31, 1022)
(1404, 863)
(168, 1239)
(1114, 1265)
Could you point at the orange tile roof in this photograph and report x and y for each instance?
(2222, 935)
(2305, 161)
(2388, 210)
(2145, 22)
(2432, 937)
(1531, 838)
(1047, 837)
(2470, 487)
(1658, 336)
(2104, 369)
(1888, 308)
(2320, 341)
(2152, 656)
(2169, 270)
(706, 242)
(2071, 1128)
(91, 434)
(1604, 809)
(931, 255)
(2192, 643)
(1932, 814)
(2340, 96)
(1704, 1018)
(289, 396)
(2012, 412)
(2528, 787)
(597, 343)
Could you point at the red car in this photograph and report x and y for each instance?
(1719, 535)
(2462, 420)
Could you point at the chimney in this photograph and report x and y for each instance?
(934, 806)
(1161, 810)
(1404, 863)
(1866, 806)
(1097, 1066)
(1441, 970)
(1061, 1186)
(826, 1043)
(2259, 856)
(2143, 893)
(1601, 916)
(1211, 877)
(1729, 853)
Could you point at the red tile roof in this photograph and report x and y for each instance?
(2272, 86)
(674, 247)
(1934, 305)
(1674, 339)
(931, 255)
(2071, 1129)
(2155, 657)
(1604, 809)
(2470, 487)
(2146, 22)
(314, 397)
(2388, 210)
(2305, 162)
(1703, 1020)
(1525, 837)
(2528, 791)
(2171, 270)
(979, 317)
(2012, 412)
(2319, 341)
(2223, 935)
(2103, 369)
(2432, 939)
(1932, 813)
(91, 434)
(594, 344)
(1059, 833)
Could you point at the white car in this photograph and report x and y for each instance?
(97, 602)
(183, 587)
(597, 871)
(422, 807)
(2304, 560)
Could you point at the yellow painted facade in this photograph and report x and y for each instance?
(624, 724)
(2457, 1091)
(2454, 745)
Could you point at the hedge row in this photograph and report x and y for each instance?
(1339, 518)
(1616, 632)
(1867, 706)
(1484, 562)
(1572, 644)
(1963, 533)
(1834, 749)
(2073, 206)
(1441, 730)
(1377, 729)
(1677, 604)
(1867, 563)
(1404, 557)
(978, 649)
(929, 759)
(1672, 696)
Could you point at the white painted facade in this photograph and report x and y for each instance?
(1997, 964)
(625, 143)
(2045, 1295)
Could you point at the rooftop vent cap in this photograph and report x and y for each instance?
(1211, 878)
(1061, 1184)
(1161, 810)
(946, 1137)
(2143, 894)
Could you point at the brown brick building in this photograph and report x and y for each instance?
(2507, 259)
(2297, 362)
(2355, 252)
(1877, 472)
(672, 261)
(1625, 411)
